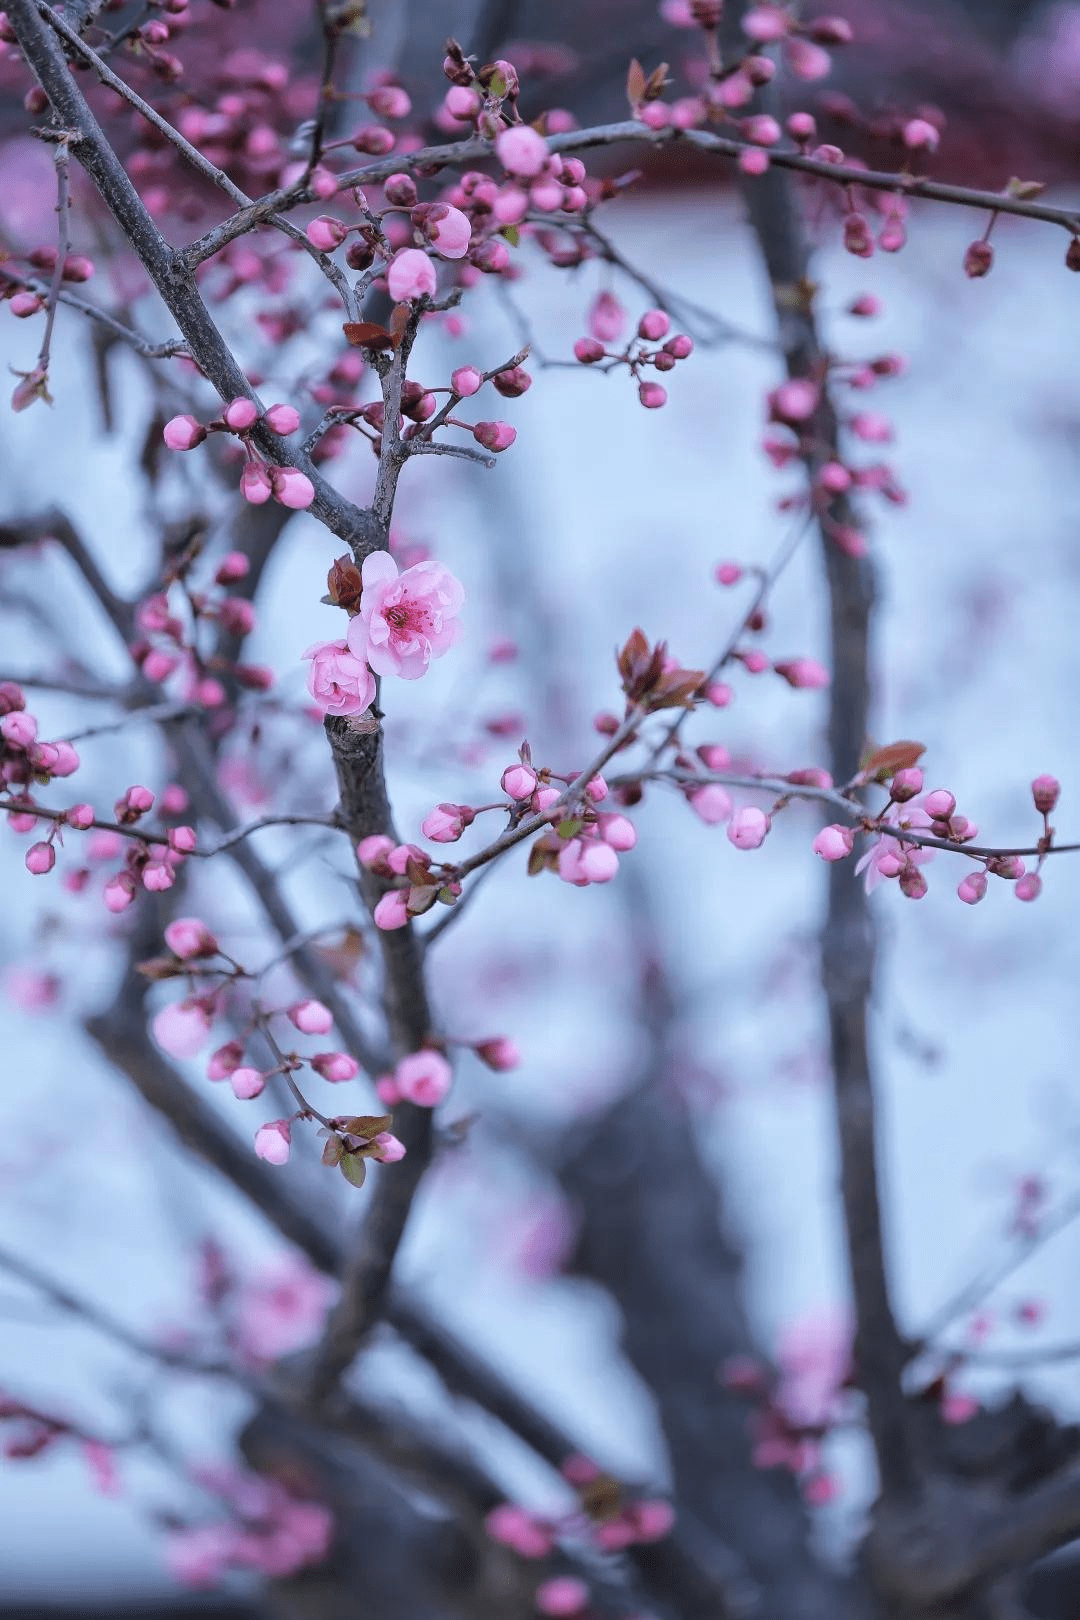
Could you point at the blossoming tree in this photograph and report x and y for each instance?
(244, 207)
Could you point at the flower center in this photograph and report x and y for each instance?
(398, 617)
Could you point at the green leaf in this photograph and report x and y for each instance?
(354, 1169)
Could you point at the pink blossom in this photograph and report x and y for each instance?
(906, 784)
(183, 840)
(588, 350)
(446, 823)
(521, 151)
(834, 843)
(187, 937)
(652, 395)
(183, 432)
(392, 910)
(247, 1083)
(1028, 887)
(518, 781)
(654, 325)
(748, 827)
(806, 60)
(339, 681)
(66, 760)
(727, 573)
(466, 380)
(255, 484)
(712, 803)
(240, 414)
(939, 804)
(814, 1358)
(311, 1017)
(411, 275)
(423, 1078)
(449, 231)
(386, 1090)
(795, 400)
(406, 619)
(119, 892)
(182, 1028)
(888, 856)
(920, 135)
(562, 1595)
(462, 103)
(223, 1062)
(273, 1141)
(765, 24)
(389, 1149)
(283, 419)
(280, 1309)
(157, 877)
(335, 1066)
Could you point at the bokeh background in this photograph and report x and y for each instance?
(602, 517)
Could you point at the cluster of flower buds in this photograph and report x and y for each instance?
(168, 644)
(268, 1531)
(25, 300)
(260, 479)
(606, 1516)
(418, 886)
(26, 761)
(607, 322)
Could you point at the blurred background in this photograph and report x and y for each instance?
(697, 970)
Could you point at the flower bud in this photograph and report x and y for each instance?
(1045, 791)
(240, 414)
(518, 781)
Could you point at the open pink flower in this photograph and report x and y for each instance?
(339, 680)
(405, 619)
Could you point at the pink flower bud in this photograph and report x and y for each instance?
(654, 325)
(386, 1090)
(514, 1527)
(291, 487)
(518, 781)
(411, 276)
(326, 233)
(802, 126)
(18, 728)
(335, 1066)
(762, 129)
(651, 1518)
(727, 573)
(372, 851)
(795, 400)
(978, 259)
(918, 134)
(748, 827)
(466, 380)
(1045, 791)
(389, 1150)
(423, 1078)
(652, 395)
(712, 803)
(232, 567)
(562, 1595)
(240, 414)
(495, 436)
(157, 877)
(400, 190)
(183, 433)
(40, 858)
(972, 888)
(24, 304)
(940, 804)
(311, 1017)
(391, 911)
(499, 1053)
(273, 1141)
(521, 151)
(463, 104)
(283, 419)
(448, 230)
(446, 823)
(906, 784)
(255, 484)
(1010, 867)
(188, 937)
(182, 1029)
(618, 831)
(183, 839)
(247, 1083)
(912, 883)
(225, 1060)
(607, 318)
(834, 843)
(80, 816)
(1029, 887)
(119, 892)
(588, 350)
(545, 797)
(803, 672)
(390, 101)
